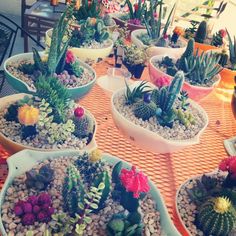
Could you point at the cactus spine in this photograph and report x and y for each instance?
(201, 33)
(216, 217)
(145, 110)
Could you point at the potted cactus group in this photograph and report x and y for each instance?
(201, 70)
(47, 121)
(23, 70)
(206, 204)
(163, 115)
(71, 193)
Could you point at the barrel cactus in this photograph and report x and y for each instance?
(216, 217)
(145, 110)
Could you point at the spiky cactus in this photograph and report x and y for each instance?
(217, 39)
(201, 33)
(145, 110)
(73, 190)
(232, 51)
(188, 52)
(216, 217)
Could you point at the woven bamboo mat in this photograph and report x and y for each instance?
(167, 171)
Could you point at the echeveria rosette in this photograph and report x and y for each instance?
(134, 181)
(229, 165)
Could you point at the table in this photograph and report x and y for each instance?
(40, 17)
(167, 171)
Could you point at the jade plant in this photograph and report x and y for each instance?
(91, 30)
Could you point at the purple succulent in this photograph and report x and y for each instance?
(50, 211)
(18, 210)
(33, 200)
(20, 203)
(44, 198)
(27, 207)
(28, 219)
(42, 216)
(36, 209)
(45, 206)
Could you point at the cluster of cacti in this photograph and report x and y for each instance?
(201, 32)
(87, 10)
(39, 179)
(121, 224)
(216, 216)
(73, 191)
(84, 125)
(36, 208)
(232, 51)
(218, 38)
(202, 69)
(91, 29)
(134, 55)
(90, 169)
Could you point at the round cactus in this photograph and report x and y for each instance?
(216, 217)
(83, 126)
(28, 115)
(145, 110)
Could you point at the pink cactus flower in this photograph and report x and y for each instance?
(70, 58)
(162, 81)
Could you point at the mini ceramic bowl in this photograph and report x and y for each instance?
(114, 80)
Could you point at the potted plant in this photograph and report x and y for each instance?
(156, 39)
(134, 60)
(201, 70)
(47, 121)
(158, 119)
(80, 194)
(22, 70)
(205, 204)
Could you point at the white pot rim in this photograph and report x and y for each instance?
(28, 54)
(194, 140)
(159, 57)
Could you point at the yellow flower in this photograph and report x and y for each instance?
(95, 155)
(222, 205)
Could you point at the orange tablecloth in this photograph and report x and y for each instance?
(167, 171)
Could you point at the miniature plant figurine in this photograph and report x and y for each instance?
(216, 216)
(232, 51)
(41, 179)
(201, 33)
(218, 38)
(34, 209)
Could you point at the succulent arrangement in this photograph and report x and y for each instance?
(214, 198)
(50, 117)
(71, 201)
(199, 69)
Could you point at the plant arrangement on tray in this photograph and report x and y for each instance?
(164, 110)
(134, 60)
(207, 203)
(83, 195)
(58, 62)
(200, 69)
(49, 120)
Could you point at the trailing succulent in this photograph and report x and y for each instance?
(91, 29)
(39, 179)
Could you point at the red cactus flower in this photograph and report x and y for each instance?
(229, 164)
(155, 15)
(79, 112)
(162, 81)
(70, 58)
(134, 181)
(223, 33)
(136, 6)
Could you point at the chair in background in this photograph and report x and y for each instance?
(8, 33)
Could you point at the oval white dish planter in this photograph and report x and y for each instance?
(23, 87)
(14, 147)
(86, 53)
(147, 139)
(153, 50)
(194, 92)
(27, 159)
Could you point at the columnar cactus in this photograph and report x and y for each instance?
(216, 217)
(201, 33)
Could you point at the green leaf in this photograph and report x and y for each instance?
(94, 206)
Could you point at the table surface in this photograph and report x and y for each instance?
(42, 8)
(167, 171)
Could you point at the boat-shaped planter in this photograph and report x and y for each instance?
(25, 160)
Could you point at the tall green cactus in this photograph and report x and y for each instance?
(201, 33)
(188, 52)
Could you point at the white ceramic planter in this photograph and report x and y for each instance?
(153, 50)
(147, 139)
(25, 160)
(14, 147)
(22, 87)
(86, 53)
(194, 92)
